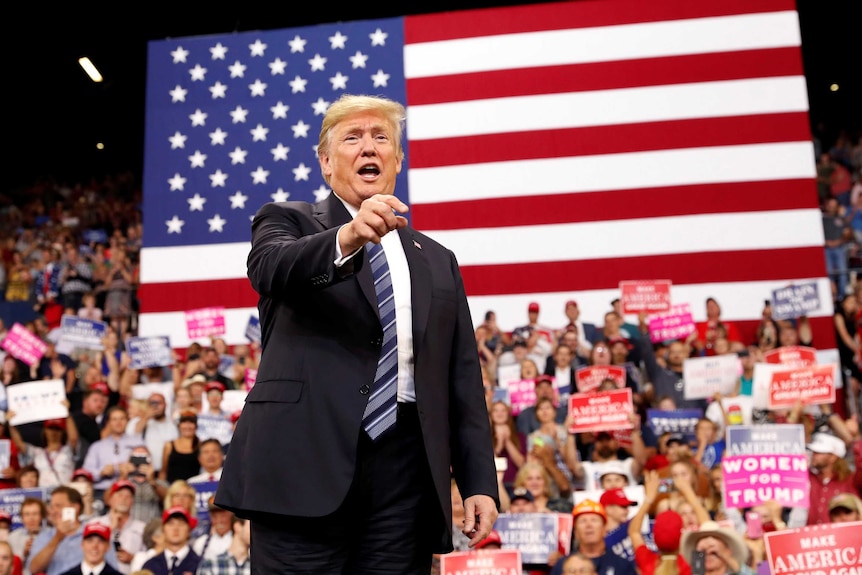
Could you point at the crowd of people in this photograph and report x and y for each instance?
(121, 475)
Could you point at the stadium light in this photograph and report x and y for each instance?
(90, 69)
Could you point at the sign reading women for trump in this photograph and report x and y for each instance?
(204, 322)
(601, 410)
(23, 345)
(812, 385)
(826, 549)
(706, 375)
(765, 462)
(591, 377)
(482, 562)
(650, 296)
(678, 323)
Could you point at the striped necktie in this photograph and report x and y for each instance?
(380, 411)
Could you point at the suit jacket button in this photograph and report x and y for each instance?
(377, 341)
(365, 389)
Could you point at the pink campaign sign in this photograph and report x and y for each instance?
(23, 345)
(678, 323)
(205, 322)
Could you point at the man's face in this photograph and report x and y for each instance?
(56, 505)
(117, 422)
(617, 513)
(676, 355)
(522, 506)
(5, 560)
(211, 359)
(821, 461)
(563, 356)
(614, 481)
(95, 547)
(122, 500)
(176, 531)
(545, 389)
(363, 158)
(211, 457)
(714, 548)
(157, 406)
(220, 520)
(589, 528)
(606, 447)
(95, 404)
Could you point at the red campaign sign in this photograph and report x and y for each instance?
(813, 385)
(601, 410)
(825, 549)
(792, 356)
(482, 562)
(650, 296)
(589, 378)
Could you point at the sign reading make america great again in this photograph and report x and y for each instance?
(827, 549)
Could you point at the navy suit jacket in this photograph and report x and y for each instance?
(159, 564)
(294, 449)
(106, 570)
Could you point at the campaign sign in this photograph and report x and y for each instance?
(764, 462)
(522, 394)
(813, 385)
(37, 401)
(203, 491)
(589, 378)
(601, 410)
(792, 356)
(252, 329)
(482, 562)
(214, 426)
(795, 301)
(11, 500)
(23, 345)
(154, 351)
(251, 378)
(208, 321)
(84, 333)
(535, 535)
(704, 376)
(650, 296)
(825, 549)
(226, 365)
(678, 421)
(678, 323)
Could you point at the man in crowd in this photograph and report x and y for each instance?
(828, 473)
(844, 508)
(218, 539)
(154, 426)
(589, 531)
(33, 512)
(211, 458)
(95, 543)
(178, 556)
(128, 533)
(58, 548)
(233, 561)
(90, 419)
(106, 456)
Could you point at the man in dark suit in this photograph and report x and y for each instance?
(177, 558)
(95, 542)
(363, 410)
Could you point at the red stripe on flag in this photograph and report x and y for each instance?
(605, 273)
(584, 14)
(605, 75)
(166, 297)
(617, 205)
(613, 139)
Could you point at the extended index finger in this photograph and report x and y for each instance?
(393, 202)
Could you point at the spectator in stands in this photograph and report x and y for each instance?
(234, 561)
(33, 514)
(844, 508)
(710, 442)
(526, 420)
(58, 548)
(88, 309)
(95, 544)
(126, 532)
(210, 462)
(118, 294)
(56, 460)
(177, 556)
(837, 233)
(559, 366)
(587, 333)
(90, 419)
(154, 426)
(617, 505)
(712, 327)
(534, 477)
(149, 489)
(182, 403)
(218, 538)
(589, 534)
(82, 481)
(509, 443)
(214, 394)
(665, 380)
(829, 473)
(554, 446)
(578, 564)
(18, 279)
(211, 361)
(180, 456)
(606, 460)
(667, 532)
(153, 541)
(76, 279)
(105, 457)
(725, 550)
(10, 564)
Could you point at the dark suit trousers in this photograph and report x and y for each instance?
(388, 523)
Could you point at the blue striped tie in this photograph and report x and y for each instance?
(380, 412)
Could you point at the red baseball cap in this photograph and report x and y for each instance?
(534, 306)
(4, 516)
(571, 302)
(616, 497)
(544, 379)
(493, 537)
(215, 386)
(120, 484)
(81, 472)
(101, 387)
(55, 423)
(178, 511)
(97, 529)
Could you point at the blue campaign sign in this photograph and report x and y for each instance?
(95, 236)
(204, 491)
(252, 330)
(679, 421)
(795, 301)
(535, 535)
(81, 332)
(782, 439)
(11, 500)
(154, 351)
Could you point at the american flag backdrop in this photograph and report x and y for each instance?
(555, 148)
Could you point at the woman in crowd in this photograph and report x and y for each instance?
(55, 461)
(667, 532)
(508, 443)
(535, 478)
(551, 444)
(180, 456)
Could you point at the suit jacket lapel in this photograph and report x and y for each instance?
(420, 284)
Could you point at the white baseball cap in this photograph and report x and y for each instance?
(827, 443)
